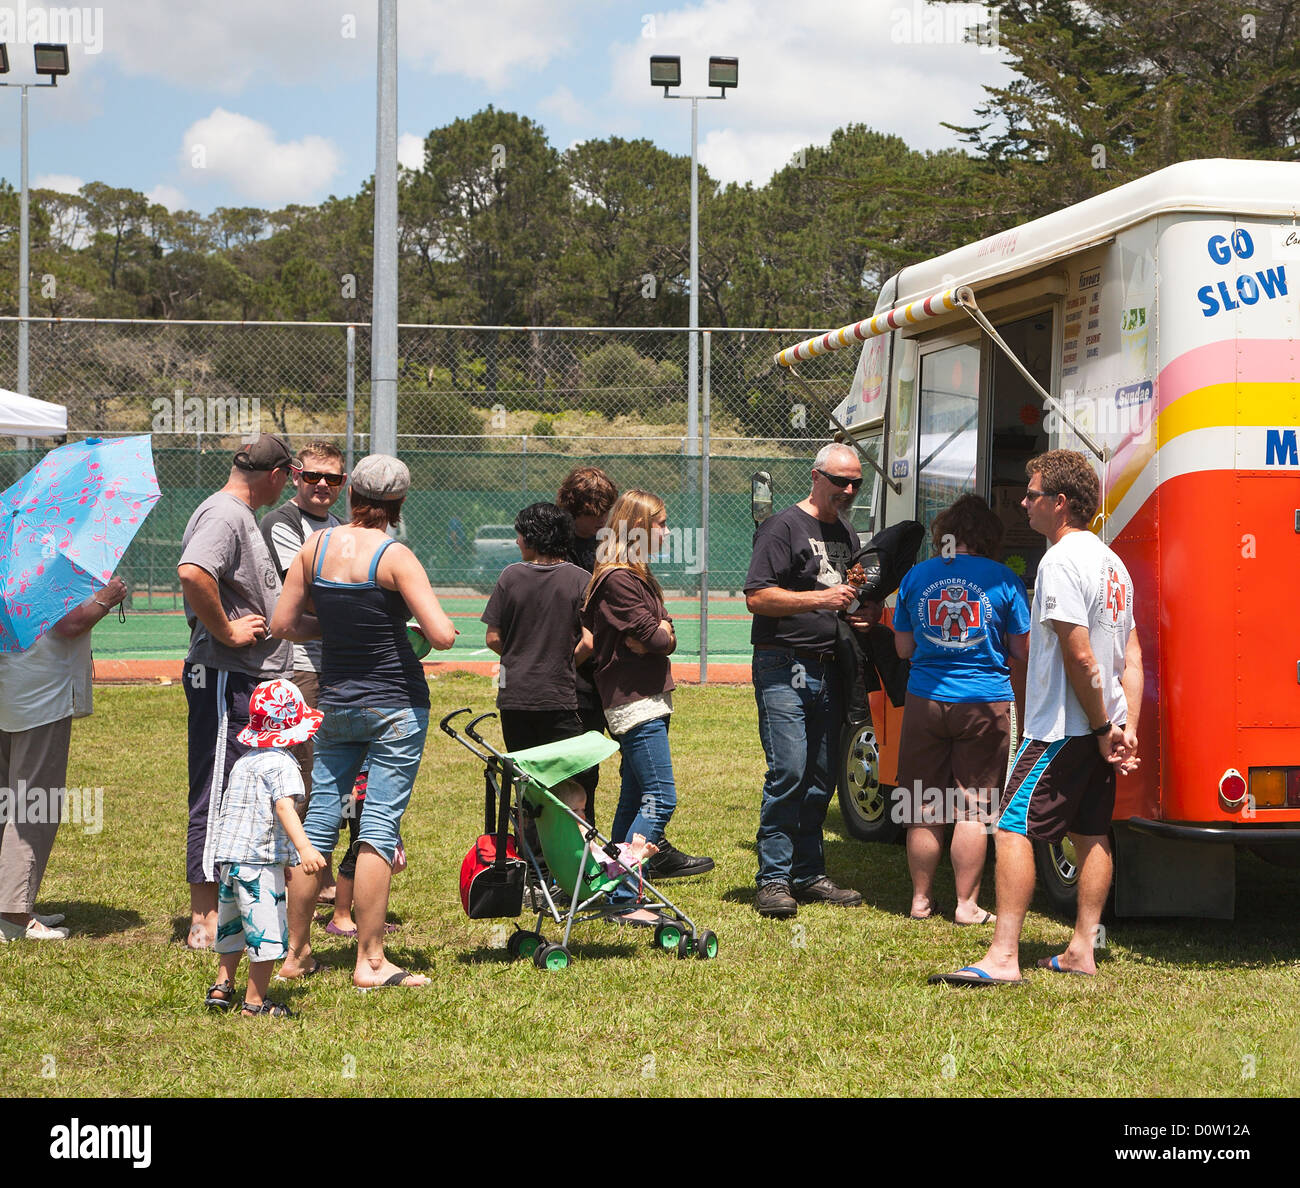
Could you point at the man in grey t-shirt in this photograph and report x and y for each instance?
(230, 584)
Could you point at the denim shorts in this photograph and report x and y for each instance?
(394, 740)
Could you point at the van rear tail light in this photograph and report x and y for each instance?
(1268, 786)
(1232, 789)
(1293, 787)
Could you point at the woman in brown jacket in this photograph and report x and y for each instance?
(633, 638)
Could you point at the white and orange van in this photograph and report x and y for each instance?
(1156, 328)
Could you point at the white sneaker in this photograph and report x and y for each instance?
(32, 930)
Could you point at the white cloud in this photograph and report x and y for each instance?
(898, 66)
(168, 196)
(64, 183)
(410, 151)
(245, 153)
(491, 41)
(565, 107)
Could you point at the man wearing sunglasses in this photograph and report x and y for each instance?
(318, 478)
(796, 590)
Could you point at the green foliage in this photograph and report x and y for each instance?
(616, 378)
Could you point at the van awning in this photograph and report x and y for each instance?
(936, 305)
(25, 416)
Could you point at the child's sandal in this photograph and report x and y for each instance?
(213, 1003)
(277, 1010)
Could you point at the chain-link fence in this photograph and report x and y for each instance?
(490, 419)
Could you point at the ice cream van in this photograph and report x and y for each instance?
(1155, 328)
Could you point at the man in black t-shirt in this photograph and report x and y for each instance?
(796, 590)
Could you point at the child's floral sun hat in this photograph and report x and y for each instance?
(278, 716)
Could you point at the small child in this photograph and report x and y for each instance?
(254, 833)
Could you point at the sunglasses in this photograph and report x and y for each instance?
(1032, 495)
(840, 480)
(315, 476)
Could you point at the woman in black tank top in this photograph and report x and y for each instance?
(355, 588)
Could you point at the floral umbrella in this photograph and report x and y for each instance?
(64, 527)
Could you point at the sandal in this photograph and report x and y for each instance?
(277, 1010)
(213, 1003)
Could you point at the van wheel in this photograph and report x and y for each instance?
(864, 801)
(1058, 875)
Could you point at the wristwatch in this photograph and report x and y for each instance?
(1104, 728)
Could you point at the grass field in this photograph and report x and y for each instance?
(833, 1003)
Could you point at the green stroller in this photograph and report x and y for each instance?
(584, 864)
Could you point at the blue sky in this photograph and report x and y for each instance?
(267, 102)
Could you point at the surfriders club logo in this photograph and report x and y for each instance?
(1116, 593)
(954, 613)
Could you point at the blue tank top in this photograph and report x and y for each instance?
(366, 659)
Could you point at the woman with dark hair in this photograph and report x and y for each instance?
(532, 624)
(960, 615)
(364, 586)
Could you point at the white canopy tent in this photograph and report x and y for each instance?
(25, 416)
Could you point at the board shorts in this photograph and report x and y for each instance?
(251, 910)
(1057, 788)
(945, 749)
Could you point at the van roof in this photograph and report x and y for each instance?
(1267, 188)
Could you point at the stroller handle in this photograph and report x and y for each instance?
(445, 724)
(474, 734)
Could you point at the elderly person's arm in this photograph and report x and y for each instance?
(82, 618)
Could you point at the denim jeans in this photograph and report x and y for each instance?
(649, 794)
(394, 740)
(799, 710)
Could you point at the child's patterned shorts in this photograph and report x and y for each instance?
(251, 910)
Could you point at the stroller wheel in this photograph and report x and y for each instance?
(552, 957)
(685, 946)
(706, 945)
(669, 935)
(524, 944)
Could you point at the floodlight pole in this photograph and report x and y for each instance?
(693, 339)
(24, 263)
(383, 319)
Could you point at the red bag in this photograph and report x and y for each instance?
(490, 887)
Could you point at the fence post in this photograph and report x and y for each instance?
(704, 518)
(352, 393)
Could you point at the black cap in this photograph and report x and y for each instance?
(268, 452)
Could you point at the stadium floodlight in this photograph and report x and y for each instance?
(51, 60)
(724, 73)
(665, 72)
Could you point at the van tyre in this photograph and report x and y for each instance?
(1058, 876)
(865, 802)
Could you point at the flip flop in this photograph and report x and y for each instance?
(971, 975)
(396, 980)
(987, 918)
(1054, 964)
(334, 930)
(316, 967)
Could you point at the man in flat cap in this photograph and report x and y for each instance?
(231, 584)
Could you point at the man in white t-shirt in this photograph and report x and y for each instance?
(1083, 694)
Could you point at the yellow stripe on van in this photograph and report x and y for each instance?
(1228, 405)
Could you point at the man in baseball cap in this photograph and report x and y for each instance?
(231, 585)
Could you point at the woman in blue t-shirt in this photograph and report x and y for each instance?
(959, 617)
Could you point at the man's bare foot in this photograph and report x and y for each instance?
(1066, 964)
(923, 907)
(966, 916)
(366, 978)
